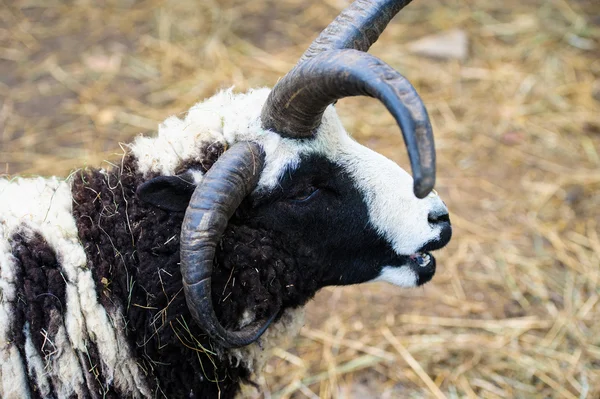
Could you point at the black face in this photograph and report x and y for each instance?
(318, 207)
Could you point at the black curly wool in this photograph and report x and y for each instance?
(133, 252)
(262, 272)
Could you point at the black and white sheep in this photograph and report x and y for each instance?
(255, 201)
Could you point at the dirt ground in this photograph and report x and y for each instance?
(514, 309)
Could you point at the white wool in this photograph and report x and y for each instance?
(13, 380)
(67, 375)
(36, 201)
(7, 286)
(35, 365)
(180, 139)
(74, 320)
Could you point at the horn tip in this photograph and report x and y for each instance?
(423, 186)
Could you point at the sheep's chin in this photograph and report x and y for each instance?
(409, 270)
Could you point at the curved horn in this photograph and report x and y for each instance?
(296, 104)
(357, 27)
(215, 199)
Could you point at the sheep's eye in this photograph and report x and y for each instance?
(305, 194)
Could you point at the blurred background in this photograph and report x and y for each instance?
(513, 90)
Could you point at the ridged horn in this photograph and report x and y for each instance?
(296, 104)
(215, 199)
(357, 27)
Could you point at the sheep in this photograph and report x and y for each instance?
(172, 273)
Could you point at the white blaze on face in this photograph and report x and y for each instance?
(394, 211)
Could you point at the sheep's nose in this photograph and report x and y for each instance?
(436, 217)
(438, 212)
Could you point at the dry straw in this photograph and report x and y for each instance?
(514, 310)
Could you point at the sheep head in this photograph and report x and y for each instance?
(361, 214)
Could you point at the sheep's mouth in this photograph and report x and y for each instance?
(411, 270)
(422, 262)
(422, 259)
(423, 265)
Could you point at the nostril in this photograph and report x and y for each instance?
(435, 218)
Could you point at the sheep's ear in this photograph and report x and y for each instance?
(171, 193)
